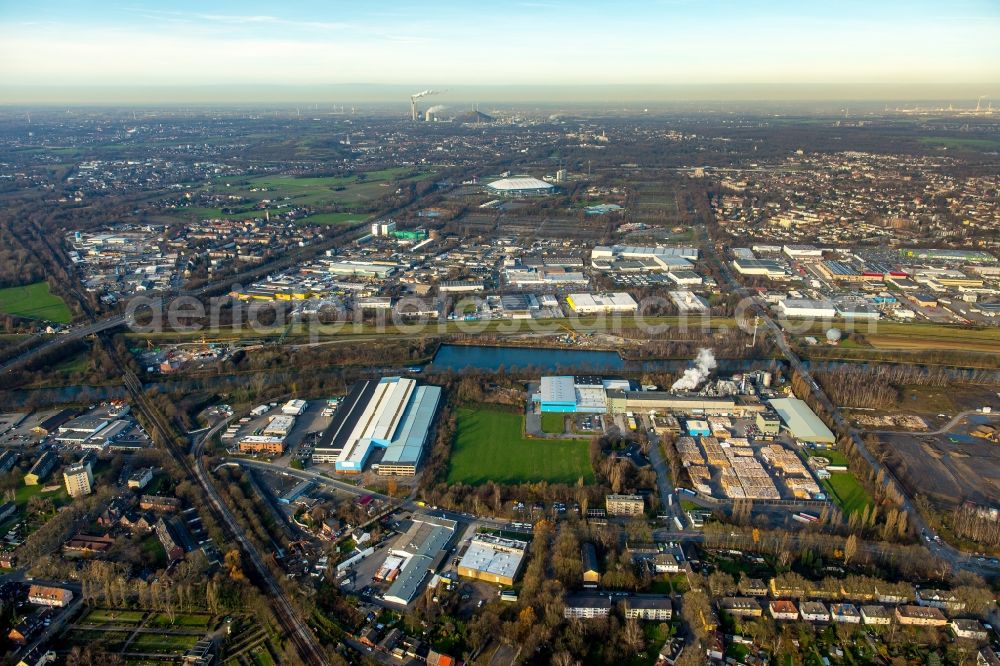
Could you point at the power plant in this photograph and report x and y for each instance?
(415, 97)
(431, 114)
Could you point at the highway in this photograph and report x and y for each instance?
(58, 340)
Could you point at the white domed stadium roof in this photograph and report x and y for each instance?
(520, 184)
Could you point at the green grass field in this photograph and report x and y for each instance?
(489, 446)
(74, 364)
(24, 493)
(354, 192)
(847, 492)
(34, 301)
(319, 190)
(112, 616)
(833, 455)
(554, 424)
(182, 620)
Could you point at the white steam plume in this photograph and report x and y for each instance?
(692, 378)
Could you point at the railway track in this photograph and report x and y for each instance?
(305, 642)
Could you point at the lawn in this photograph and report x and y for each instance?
(24, 493)
(153, 549)
(164, 643)
(554, 424)
(112, 616)
(847, 492)
(489, 445)
(34, 301)
(833, 455)
(190, 620)
(107, 640)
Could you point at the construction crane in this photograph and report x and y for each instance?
(415, 97)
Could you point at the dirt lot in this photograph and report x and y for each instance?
(889, 421)
(949, 400)
(948, 468)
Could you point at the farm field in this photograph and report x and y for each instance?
(489, 445)
(34, 301)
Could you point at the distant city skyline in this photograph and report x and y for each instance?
(74, 46)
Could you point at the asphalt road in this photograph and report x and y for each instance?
(350, 488)
(59, 340)
(663, 482)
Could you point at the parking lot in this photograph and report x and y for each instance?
(300, 440)
(15, 428)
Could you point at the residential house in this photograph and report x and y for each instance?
(875, 615)
(925, 616)
(587, 606)
(970, 629)
(783, 609)
(740, 606)
(940, 599)
(813, 611)
(47, 595)
(845, 614)
(648, 608)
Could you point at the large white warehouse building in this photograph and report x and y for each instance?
(393, 413)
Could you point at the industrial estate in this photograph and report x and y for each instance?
(405, 383)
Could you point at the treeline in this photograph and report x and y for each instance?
(880, 485)
(976, 523)
(880, 386)
(612, 473)
(535, 624)
(256, 521)
(910, 561)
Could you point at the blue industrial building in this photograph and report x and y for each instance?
(557, 394)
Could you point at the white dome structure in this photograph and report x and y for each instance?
(520, 186)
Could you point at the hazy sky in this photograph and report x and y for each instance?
(438, 42)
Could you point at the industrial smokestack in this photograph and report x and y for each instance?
(692, 378)
(415, 97)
